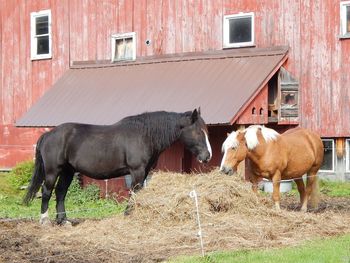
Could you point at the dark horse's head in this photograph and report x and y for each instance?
(194, 135)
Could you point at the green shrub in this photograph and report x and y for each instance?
(80, 195)
(21, 174)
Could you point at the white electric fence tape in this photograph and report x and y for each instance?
(193, 194)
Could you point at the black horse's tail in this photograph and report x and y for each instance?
(38, 174)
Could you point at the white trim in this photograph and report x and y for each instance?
(226, 30)
(333, 157)
(347, 161)
(33, 37)
(114, 37)
(343, 20)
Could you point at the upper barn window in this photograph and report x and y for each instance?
(345, 19)
(40, 34)
(123, 47)
(239, 30)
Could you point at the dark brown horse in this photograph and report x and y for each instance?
(277, 157)
(130, 146)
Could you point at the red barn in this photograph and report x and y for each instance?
(279, 63)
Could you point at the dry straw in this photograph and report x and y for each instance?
(163, 223)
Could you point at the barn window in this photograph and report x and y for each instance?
(328, 160)
(289, 100)
(123, 47)
(40, 34)
(238, 30)
(347, 155)
(345, 19)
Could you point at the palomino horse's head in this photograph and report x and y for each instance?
(235, 151)
(237, 145)
(194, 135)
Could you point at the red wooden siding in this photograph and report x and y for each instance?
(81, 31)
(256, 112)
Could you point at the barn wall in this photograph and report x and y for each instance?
(82, 29)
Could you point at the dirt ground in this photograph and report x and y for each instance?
(163, 224)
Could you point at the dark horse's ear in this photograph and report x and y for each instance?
(195, 114)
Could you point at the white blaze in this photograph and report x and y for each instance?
(208, 144)
(223, 160)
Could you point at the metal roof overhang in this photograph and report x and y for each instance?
(222, 83)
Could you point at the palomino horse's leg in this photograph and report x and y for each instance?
(46, 189)
(311, 190)
(302, 193)
(255, 181)
(276, 180)
(63, 183)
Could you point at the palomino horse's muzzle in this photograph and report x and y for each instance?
(227, 170)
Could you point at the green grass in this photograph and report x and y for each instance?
(335, 189)
(329, 188)
(318, 251)
(80, 203)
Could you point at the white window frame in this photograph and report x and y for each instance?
(333, 157)
(343, 25)
(347, 161)
(115, 37)
(226, 31)
(33, 37)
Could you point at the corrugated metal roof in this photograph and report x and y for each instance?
(220, 82)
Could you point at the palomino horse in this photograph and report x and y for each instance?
(130, 146)
(277, 157)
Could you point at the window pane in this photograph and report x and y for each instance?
(328, 156)
(124, 49)
(43, 45)
(348, 19)
(42, 25)
(289, 104)
(240, 30)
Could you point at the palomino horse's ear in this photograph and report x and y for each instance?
(194, 116)
(228, 134)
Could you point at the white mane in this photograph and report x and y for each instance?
(252, 139)
(230, 142)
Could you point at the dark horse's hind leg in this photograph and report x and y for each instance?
(46, 189)
(62, 186)
(138, 176)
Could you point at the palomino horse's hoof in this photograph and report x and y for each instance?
(303, 209)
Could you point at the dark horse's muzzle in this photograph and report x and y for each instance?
(204, 157)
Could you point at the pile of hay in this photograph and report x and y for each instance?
(163, 223)
(167, 197)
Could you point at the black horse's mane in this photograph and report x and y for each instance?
(160, 126)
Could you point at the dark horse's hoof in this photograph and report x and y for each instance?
(128, 210)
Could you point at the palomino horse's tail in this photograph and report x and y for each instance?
(38, 174)
(315, 193)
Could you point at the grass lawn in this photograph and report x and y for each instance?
(79, 203)
(317, 251)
